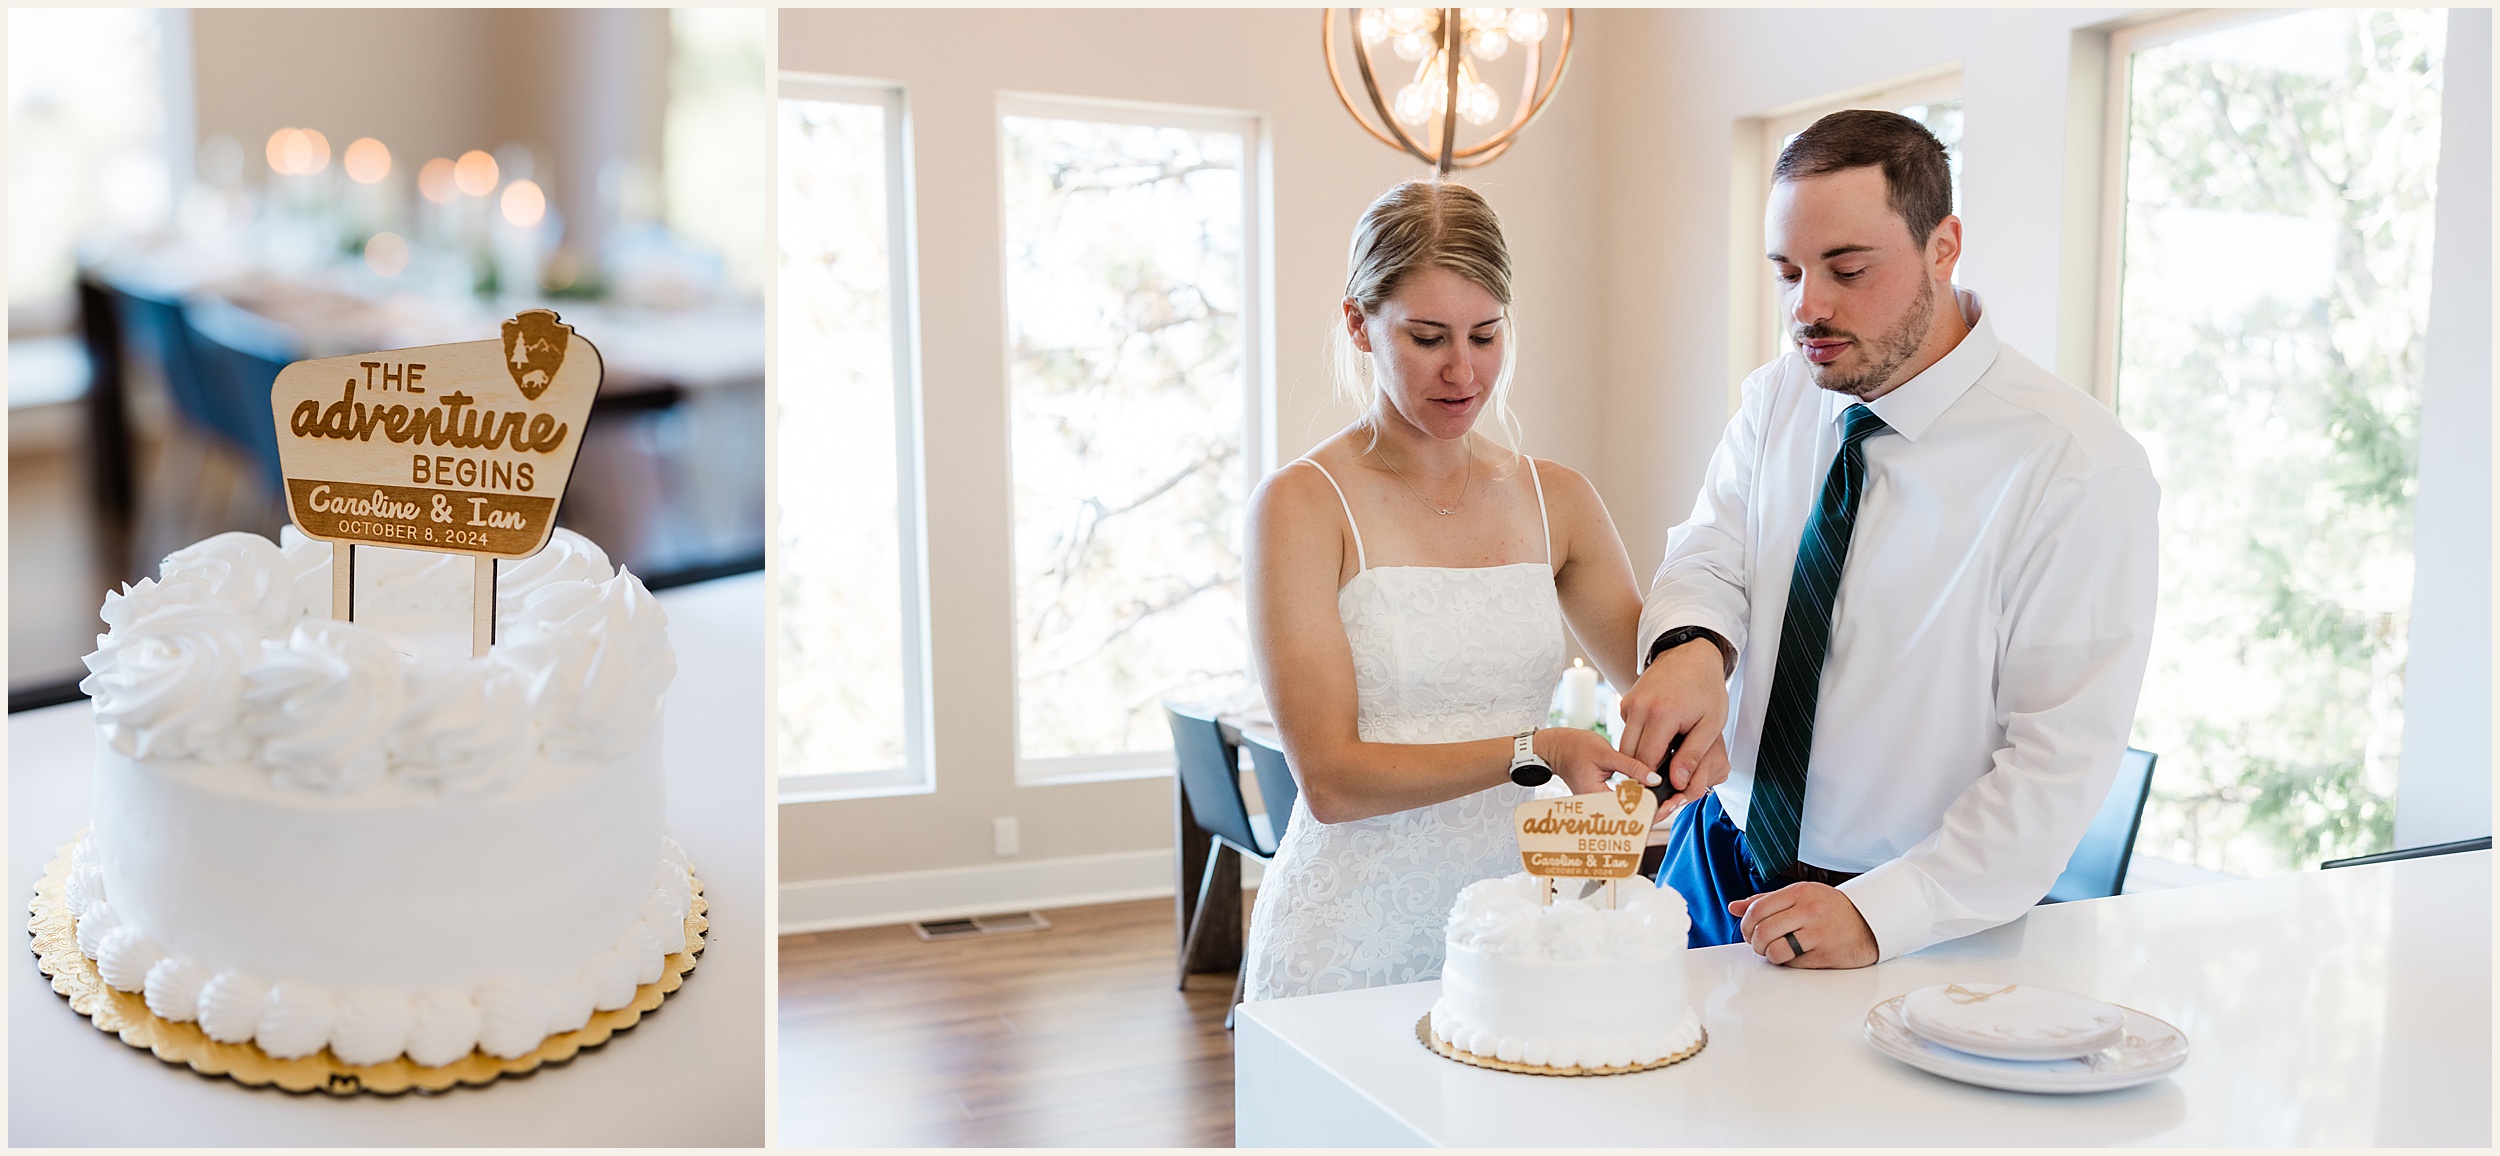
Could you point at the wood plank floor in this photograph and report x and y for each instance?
(1073, 1035)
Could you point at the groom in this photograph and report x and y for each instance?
(1903, 630)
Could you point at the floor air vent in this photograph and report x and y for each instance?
(935, 929)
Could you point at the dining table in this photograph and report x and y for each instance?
(2323, 1008)
(690, 1073)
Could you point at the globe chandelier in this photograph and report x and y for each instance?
(1444, 46)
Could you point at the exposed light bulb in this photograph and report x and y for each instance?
(1477, 103)
(1412, 45)
(1414, 103)
(1487, 44)
(1404, 20)
(1526, 25)
(1372, 27)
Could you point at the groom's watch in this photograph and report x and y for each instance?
(1526, 769)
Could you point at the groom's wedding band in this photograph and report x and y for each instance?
(1793, 950)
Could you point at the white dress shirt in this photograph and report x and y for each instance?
(1988, 639)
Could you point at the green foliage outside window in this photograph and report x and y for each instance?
(2273, 302)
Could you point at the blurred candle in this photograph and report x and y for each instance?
(1579, 696)
(367, 161)
(475, 173)
(435, 181)
(518, 238)
(386, 254)
(523, 204)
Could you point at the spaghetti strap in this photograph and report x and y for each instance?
(1360, 564)
(1541, 517)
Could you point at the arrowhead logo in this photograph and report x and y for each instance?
(533, 349)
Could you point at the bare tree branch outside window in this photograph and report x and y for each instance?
(1124, 286)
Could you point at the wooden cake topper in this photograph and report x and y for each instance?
(456, 449)
(1593, 836)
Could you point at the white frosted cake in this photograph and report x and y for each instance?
(1566, 984)
(310, 833)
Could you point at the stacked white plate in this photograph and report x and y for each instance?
(2024, 1038)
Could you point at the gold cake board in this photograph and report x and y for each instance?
(126, 1014)
(1445, 1049)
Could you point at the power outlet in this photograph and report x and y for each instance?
(1003, 838)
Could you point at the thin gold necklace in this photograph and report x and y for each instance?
(1410, 486)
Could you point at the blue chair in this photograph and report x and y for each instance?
(2099, 866)
(237, 355)
(1277, 787)
(2423, 852)
(155, 327)
(1209, 767)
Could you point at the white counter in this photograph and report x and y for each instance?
(2348, 1007)
(691, 1073)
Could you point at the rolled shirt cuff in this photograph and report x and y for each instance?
(1893, 899)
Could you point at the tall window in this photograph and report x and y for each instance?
(99, 141)
(2273, 293)
(853, 687)
(1934, 100)
(1130, 243)
(713, 136)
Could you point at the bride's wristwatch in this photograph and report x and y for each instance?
(1526, 769)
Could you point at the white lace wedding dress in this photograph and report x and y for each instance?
(1441, 654)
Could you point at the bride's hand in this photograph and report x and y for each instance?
(1584, 759)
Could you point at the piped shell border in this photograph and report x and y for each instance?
(1448, 1050)
(126, 1015)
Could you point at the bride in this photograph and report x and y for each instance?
(1409, 582)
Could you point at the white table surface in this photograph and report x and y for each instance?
(2348, 1007)
(691, 1073)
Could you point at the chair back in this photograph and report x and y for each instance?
(1210, 771)
(238, 354)
(2099, 866)
(1277, 788)
(155, 327)
(2481, 843)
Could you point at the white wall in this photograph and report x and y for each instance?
(2443, 787)
(926, 852)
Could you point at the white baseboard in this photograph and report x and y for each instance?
(988, 889)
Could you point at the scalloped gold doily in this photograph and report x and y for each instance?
(1442, 1047)
(126, 1014)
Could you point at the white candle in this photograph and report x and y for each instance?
(1579, 696)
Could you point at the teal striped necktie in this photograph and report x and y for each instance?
(1779, 768)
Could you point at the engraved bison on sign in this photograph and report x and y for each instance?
(533, 349)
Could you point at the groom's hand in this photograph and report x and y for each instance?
(1823, 920)
(1683, 693)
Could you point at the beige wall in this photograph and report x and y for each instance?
(1323, 169)
(1674, 83)
(576, 85)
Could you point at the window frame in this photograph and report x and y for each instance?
(1755, 335)
(918, 774)
(1257, 368)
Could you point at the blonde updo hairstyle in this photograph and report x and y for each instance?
(1418, 225)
